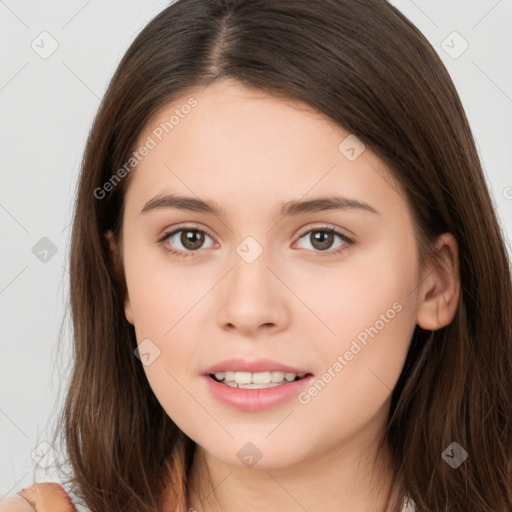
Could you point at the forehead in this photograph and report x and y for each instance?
(236, 138)
(229, 112)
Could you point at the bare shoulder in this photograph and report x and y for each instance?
(15, 504)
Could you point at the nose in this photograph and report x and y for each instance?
(252, 299)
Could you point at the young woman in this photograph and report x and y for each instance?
(290, 290)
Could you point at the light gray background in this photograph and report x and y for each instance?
(46, 109)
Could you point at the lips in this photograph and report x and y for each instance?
(255, 397)
(255, 400)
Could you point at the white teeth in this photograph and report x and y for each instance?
(259, 377)
(277, 376)
(256, 380)
(243, 377)
(262, 378)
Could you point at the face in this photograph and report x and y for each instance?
(327, 288)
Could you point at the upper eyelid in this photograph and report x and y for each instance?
(325, 227)
(173, 231)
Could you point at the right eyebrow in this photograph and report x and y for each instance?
(183, 203)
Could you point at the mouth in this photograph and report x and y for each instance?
(259, 380)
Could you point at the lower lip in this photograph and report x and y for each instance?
(253, 400)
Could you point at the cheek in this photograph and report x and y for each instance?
(161, 304)
(371, 308)
(366, 289)
(166, 316)
(163, 312)
(368, 298)
(160, 292)
(362, 364)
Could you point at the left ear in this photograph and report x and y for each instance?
(440, 290)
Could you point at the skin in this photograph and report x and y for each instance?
(250, 152)
(15, 504)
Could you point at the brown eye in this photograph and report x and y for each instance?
(324, 240)
(321, 240)
(186, 241)
(192, 239)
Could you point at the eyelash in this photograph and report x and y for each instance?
(348, 241)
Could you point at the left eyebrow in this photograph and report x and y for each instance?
(325, 203)
(289, 208)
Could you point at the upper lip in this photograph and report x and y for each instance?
(238, 364)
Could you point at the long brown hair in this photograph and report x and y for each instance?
(365, 66)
